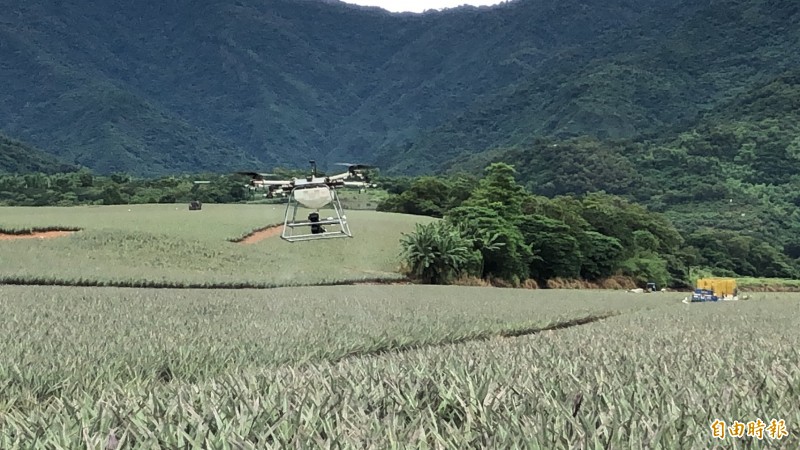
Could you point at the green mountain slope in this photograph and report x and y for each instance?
(112, 130)
(265, 77)
(736, 169)
(152, 87)
(87, 119)
(18, 157)
(646, 83)
(739, 168)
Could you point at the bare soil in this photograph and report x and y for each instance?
(260, 235)
(35, 235)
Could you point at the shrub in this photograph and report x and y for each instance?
(436, 253)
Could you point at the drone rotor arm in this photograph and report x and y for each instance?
(341, 176)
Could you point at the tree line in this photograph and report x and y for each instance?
(82, 187)
(493, 228)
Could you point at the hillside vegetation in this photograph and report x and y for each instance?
(496, 229)
(653, 76)
(152, 87)
(18, 157)
(730, 179)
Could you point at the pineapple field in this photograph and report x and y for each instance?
(393, 367)
(167, 246)
(93, 364)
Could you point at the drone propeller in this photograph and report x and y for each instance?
(256, 174)
(352, 167)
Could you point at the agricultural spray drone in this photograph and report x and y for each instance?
(314, 193)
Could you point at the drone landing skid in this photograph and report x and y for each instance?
(290, 222)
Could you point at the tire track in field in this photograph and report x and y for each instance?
(393, 347)
(147, 284)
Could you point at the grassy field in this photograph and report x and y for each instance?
(391, 367)
(167, 245)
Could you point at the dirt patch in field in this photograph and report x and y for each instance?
(260, 234)
(35, 235)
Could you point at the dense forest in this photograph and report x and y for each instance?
(591, 236)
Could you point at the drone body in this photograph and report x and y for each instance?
(314, 193)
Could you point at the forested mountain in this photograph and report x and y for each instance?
(154, 87)
(18, 157)
(736, 169)
(653, 77)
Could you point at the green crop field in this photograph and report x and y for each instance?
(391, 367)
(165, 245)
(357, 366)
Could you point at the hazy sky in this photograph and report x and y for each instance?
(420, 5)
